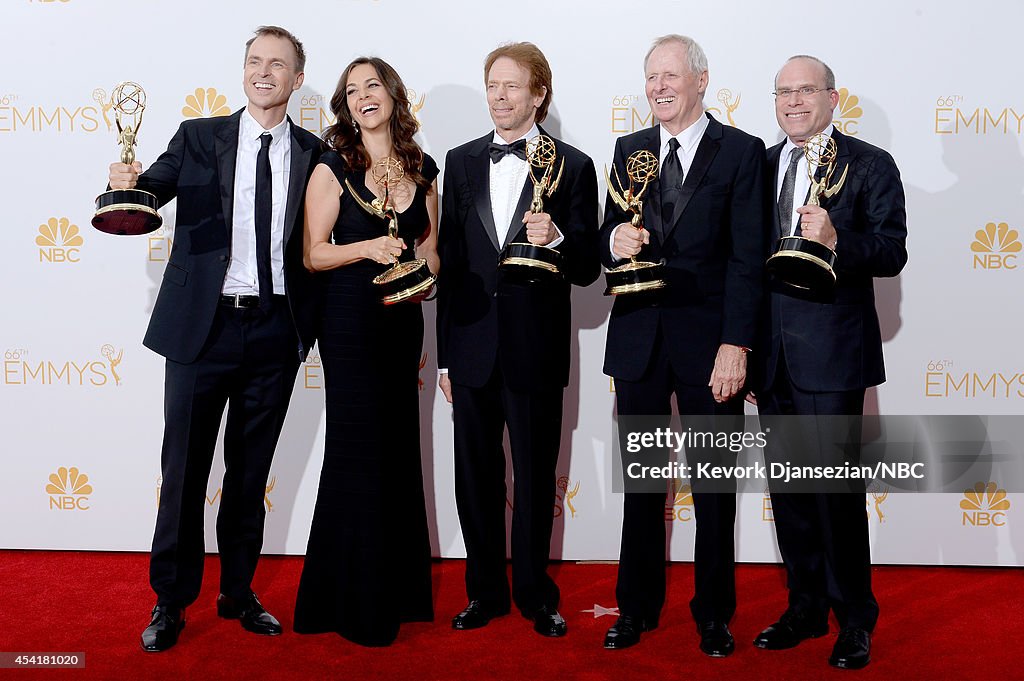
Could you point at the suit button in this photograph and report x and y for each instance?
(222, 258)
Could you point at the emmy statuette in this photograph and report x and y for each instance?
(800, 262)
(530, 260)
(127, 211)
(636, 275)
(403, 280)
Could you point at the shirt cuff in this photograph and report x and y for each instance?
(558, 239)
(611, 242)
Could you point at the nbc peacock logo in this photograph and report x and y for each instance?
(69, 490)
(996, 247)
(681, 508)
(848, 112)
(984, 505)
(59, 241)
(206, 103)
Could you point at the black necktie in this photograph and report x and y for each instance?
(264, 211)
(671, 181)
(786, 195)
(500, 151)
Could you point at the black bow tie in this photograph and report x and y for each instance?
(500, 151)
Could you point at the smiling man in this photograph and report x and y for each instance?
(706, 217)
(503, 344)
(234, 319)
(821, 353)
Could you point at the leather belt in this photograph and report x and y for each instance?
(239, 302)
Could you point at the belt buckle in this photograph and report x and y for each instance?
(234, 300)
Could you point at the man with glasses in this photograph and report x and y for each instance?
(823, 351)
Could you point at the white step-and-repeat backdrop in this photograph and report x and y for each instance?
(81, 398)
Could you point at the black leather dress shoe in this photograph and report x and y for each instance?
(789, 631)
(547, 621)
(715, 639)
(163, 629)
(852, 649)
(250, 612)
(626, 631)
(476, 615)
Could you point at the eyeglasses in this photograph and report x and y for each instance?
(804, 91)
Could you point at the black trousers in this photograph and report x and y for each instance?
(249, 364)
(534, 420)
(823, 537)
(640, 590)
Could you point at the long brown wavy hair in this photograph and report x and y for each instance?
(344, 138)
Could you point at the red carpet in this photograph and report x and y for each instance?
(936, 623)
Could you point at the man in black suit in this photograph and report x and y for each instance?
(705, 216)
(234, 318)
(823, 351)
(503, 343)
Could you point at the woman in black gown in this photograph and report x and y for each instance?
(367, 565)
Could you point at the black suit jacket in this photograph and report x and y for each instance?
(835, 344)
(714, 247)
(483, 317)
(198, 168)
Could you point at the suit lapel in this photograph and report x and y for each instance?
(226, 147)
(300, 156)
(842, 162)
(652, 197)
(515, 225)
(478, 172)
(773, 163)
(707, 149)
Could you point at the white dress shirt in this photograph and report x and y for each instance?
(507, 178)
(802, 187)
(242, 277)
(689, 140)
(506, 181)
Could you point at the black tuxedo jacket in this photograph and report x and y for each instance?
(484, 318)
(834, 344)
(198, 168)
(714, 247)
